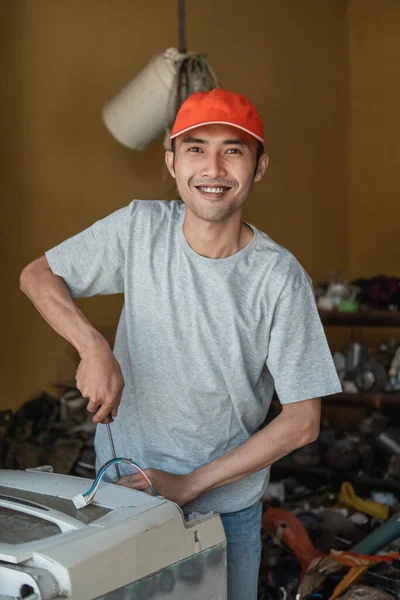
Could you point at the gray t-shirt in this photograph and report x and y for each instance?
(201, 342)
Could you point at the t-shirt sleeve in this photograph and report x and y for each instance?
(299, 358)
(93, 261)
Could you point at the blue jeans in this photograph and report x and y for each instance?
(243, 534)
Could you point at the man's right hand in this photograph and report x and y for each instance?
(99, 379)
(99, 376)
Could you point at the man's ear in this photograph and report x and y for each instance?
(169, 161)
(261, 167)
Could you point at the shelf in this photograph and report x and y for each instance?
(359, 399)
(364, 318)
(363, 399)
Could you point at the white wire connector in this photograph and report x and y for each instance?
(79, 501)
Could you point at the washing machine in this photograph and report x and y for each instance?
(126, 545)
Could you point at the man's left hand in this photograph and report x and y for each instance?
(177, 488)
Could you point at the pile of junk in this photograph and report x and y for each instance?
(52, 430)
(331, 522)
(381, 292)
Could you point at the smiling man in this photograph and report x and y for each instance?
(216, 315)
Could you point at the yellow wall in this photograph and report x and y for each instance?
(61, 170)
(374, 138)
(374, 144)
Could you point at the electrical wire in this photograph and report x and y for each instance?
(108, 464)
(86, 498)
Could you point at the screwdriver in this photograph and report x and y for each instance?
(110, 438)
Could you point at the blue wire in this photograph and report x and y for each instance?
(101, 473)
(104, 469)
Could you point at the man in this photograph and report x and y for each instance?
(215, 316)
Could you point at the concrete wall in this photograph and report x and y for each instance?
(61, 170)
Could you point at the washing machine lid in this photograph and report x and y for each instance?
(36, 510)
(123, 537)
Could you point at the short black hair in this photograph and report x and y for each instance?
(259, 152)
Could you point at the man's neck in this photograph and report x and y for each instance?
(216, 240)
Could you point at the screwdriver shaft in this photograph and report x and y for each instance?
(110, 437)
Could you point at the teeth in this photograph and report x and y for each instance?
(211, 190)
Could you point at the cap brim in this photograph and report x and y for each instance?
(260, 139)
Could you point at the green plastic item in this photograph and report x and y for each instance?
(348, 306)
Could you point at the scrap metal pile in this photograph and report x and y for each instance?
(331, 522)
(49, 431)
(366, 370)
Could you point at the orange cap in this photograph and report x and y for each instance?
(218, 106)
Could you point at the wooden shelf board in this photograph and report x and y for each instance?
(360, 399)
(364, 318)
(374, 400)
